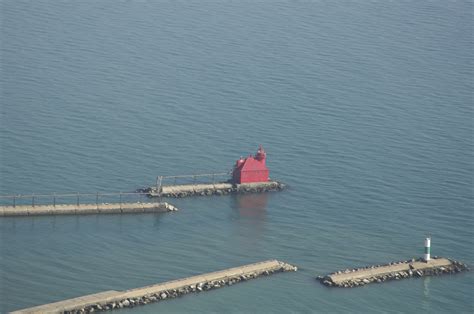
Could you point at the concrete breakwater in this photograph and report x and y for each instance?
(357, 277)
(110, 300)
(207, 189)
(83, 209)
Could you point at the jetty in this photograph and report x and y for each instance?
(208, 189)
(425, 266)
(420, 267)
(249, 175)
(350, 278)
(80, 204)
(113, 300)
(358, 277)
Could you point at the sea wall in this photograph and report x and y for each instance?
(223, 188)
(112, 300)
(84, 209)
(357, 277)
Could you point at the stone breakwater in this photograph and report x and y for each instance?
(113, 300)
(85, 209)
(185, 190)
(357, 277)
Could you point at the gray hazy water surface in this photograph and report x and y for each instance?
(365, 109)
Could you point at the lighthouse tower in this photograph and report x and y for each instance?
(427, 255)
(251, 169)
(261, 155)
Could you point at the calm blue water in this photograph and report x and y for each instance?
(364, 107)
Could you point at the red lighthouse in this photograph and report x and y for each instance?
(251, 169)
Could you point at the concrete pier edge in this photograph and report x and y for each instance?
(85, 209)
(109, 300)
(208, 189)
(350, 278)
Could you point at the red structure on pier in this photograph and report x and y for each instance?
(251, 169)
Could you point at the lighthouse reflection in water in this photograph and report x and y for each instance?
(249, 213)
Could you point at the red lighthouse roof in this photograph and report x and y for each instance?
(251, 169)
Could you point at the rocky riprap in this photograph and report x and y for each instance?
(235, 189)
(455, 267)
(174, 293)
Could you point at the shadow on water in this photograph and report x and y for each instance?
(78, 223)
(157, 220)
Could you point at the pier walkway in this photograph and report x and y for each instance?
(112, 299)
(80, 204)
(388, 269)
(207, 189)
(84, 209)
(394, 271)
